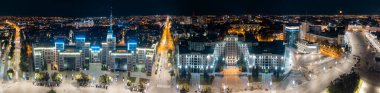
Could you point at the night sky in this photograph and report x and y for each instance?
(83, 8)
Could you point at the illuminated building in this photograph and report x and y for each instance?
(358, 28)
(291, 35)
(105, 54)
(84, 23)
(231, 50)
(307, 47)
(80, 41)
(95, 54)
(132, 44)
(121, 61)
(145, 57)
(268, 57)
(304, 28)
(109, 46)
(111, 39)
(69, 61)
(60, 45)
(194, 61)
(43, 55)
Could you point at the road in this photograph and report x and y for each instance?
(312, 73)
(162, 81)
(370, 79)
(15, 61)
(5, 64)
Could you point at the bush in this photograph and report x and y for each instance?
(346, 83)
(105, 79)
(42, 76)
(24, 66)
(82, 79)
(56, 77)
(51, 91)
(10, 73)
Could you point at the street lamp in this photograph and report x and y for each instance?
(270, 84)
(294, 82)
(224, 88)
(310, 75)
(199, 88)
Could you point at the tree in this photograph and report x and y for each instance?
(206, 90)
(82, 79)
(24, 66)
(207, 78)
(10, 73)
(105, 79)
(51, 91)
(172, 73)
(56, 77)
(346, 83)
(42, 76)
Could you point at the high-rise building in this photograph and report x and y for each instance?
(80, 41)
(291, 35)
(60, 45)
(269, 57)
(304, 28)
(43, 55)
(69, 61)
(232, 50)
(95, 54)
(145, 56)
(111, 39)
(132, 44)
(122, 61)
(105, 54)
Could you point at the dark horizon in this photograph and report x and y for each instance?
(88, 8)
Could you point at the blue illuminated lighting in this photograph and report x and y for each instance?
(80, 37)
(95, 48)
(59, 42)
(132, 44)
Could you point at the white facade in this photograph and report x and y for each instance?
(95, 55)
(232, 51)
(84, 23)
(196, 46)
(195, 62)
(267, 61)
(304, 28)
(105, 54)
(63, 60)
(43, 55)
(306, 47)
(145, 56)
(122, 61)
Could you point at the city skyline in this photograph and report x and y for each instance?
(189, 46)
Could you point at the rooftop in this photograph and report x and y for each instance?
(275, 47)
(184, 48)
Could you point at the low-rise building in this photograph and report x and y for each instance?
(307, 47)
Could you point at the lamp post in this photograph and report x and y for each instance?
(224, 88)
(199, 88)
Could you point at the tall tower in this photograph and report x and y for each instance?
(291, 35)
(111, 40)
